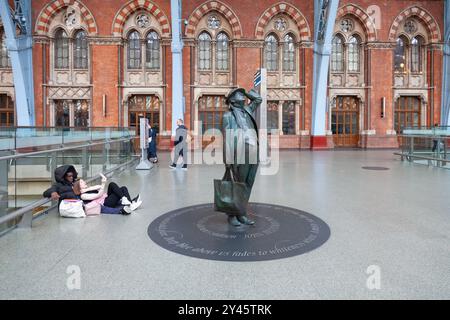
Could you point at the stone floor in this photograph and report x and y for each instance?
(394, 224)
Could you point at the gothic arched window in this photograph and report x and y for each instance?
(134, 50)
(80, 51)
(416, 54)
(204, 51)
(222, 51)
(61, 50)
(271, 53)
(400, 54)
(337, 55)
(288, 53)
(354, 56)
(152, 51)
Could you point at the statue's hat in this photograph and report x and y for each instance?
(232, 93)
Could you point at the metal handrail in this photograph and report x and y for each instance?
(405, 154)
(22, 211)
(423, 136)
(21, 155)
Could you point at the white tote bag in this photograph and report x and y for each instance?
(71, 208)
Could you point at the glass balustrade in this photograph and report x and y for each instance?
(428, 146)
(24, 177)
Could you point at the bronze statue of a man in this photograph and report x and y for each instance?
(241, 155)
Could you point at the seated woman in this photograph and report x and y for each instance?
(116, 201)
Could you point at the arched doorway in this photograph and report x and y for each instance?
(345, 122)
(407, 113)
(143, 106)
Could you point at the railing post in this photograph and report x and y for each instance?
(53, 164)
(3, 188)
(411, 148)
(26, 222)
(445, 152)
(105, 155)
(84, 162)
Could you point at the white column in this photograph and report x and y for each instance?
(20, 50)
(177, 65)
(280, 117)
(446, 69)
(263, 150)
(325, 18)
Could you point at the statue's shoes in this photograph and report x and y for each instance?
(245, 220)
(233, 220)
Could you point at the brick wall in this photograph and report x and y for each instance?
(105, 60)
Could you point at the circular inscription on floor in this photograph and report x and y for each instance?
(199, 231)
(376, 168)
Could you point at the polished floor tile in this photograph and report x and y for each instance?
(396, 222)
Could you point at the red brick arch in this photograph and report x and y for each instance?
(364, 18)
(294, 13)
(45, 16)
(421, 14)
(134, 5)
(218, 6)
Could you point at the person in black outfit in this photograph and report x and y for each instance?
(180, 144)
(115, 200)
(120, 196)
(151, 152)
(63, 187)
(435, 142)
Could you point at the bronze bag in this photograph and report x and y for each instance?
(230, 196)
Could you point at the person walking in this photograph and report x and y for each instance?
(435, 141)
(180, 145)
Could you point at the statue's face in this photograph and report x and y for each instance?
(239, 100)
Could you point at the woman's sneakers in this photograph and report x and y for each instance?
(126, 210)
(125, 202)
(138, 198)
(135, 204)
(130, 206)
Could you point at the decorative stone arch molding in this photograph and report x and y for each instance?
(134, 5)
(218, 6)
(9, 92)
(434, 33)
(362, 16)
(421, 94)
(288, 9)
(129, 92)
(360, 96)
(48, 12)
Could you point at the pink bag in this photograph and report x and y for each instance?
(93, 208)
